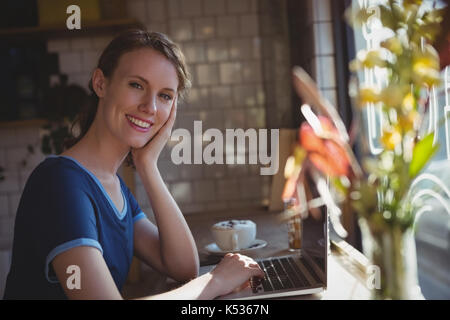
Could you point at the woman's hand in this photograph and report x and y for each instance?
(148, 155)
(234, 272)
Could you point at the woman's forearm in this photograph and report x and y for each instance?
(177, 246)
(204, 287)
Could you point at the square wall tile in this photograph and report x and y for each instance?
(191, 171)
(58, 45)
(80, 43)
(252, 72)
(227, 26)
(194, 52)
(204, 191)
(249, 25)
(191, 8)
(214, 7)
(181, 30)
(205, 28)
(157, 27)
(234, 118)
(238, 6)
(221, 97)
(90, 60)
(241, 49)
(244, 96)
(217, 50)
(174, 8)
(251, 187)
(207, 74)
(182, 192)
(70, 62)
(230, 73)
(156, 11)
(256, 118)
(228, 189)
(169, 171)
(198, 98)
(215, 171)
(137, 9)
(101, 42)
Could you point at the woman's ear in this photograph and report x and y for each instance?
(99, 82)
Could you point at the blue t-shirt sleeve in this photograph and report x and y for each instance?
(68, 217)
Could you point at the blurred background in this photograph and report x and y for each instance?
(240, 54)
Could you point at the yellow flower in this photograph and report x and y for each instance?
(355, 65)
(425, 75)
(392, 96)
(368, 94)
(393, 45)
(409, 103)
(391, 138)
(372, 58)
(426, 58)
(408, 121)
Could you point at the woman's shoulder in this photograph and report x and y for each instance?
(54, 180)
(57, 168)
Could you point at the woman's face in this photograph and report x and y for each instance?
(138, 97)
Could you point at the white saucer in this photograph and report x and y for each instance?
(214, 249)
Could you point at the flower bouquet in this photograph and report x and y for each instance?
(379, 187)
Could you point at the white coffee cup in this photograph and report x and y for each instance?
(232, 235)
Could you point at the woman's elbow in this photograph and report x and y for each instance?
(187, 273)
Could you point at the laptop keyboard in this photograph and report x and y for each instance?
(281, 273)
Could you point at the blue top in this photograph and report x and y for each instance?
(63, 206)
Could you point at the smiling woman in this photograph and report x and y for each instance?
(76, 212)
(131, 46)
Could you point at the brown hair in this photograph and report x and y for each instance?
(125, 42)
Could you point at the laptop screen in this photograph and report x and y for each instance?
(315, 243)
(315, 235)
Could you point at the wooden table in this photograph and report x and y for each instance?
(345, 279)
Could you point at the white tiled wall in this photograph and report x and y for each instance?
(221, 41)
(18, 164)
(13, 152)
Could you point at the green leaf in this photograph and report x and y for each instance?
(422, 153)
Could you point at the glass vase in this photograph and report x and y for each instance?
(393, 273)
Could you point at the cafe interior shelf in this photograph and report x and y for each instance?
(46, 32)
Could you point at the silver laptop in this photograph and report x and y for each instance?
(295, 274)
